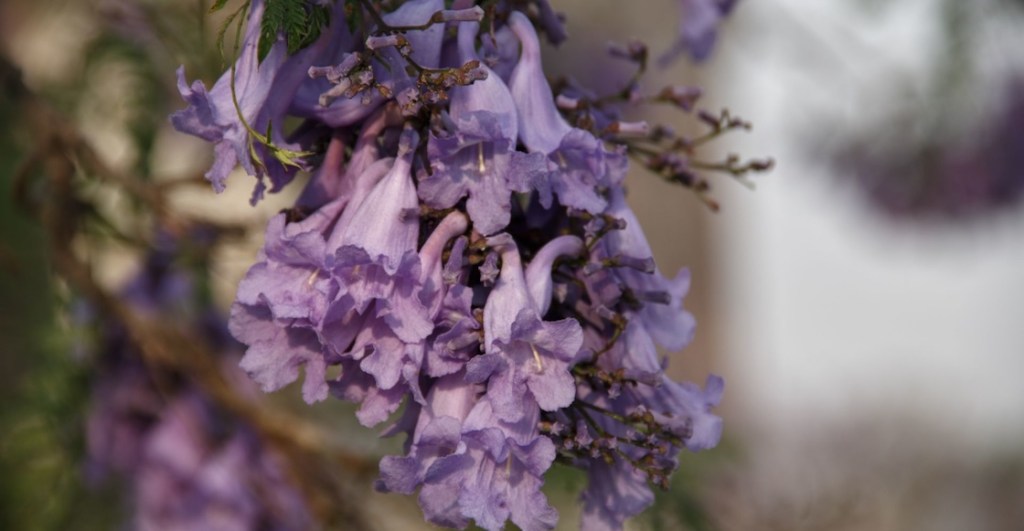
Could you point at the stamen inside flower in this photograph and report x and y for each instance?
(312, 277)
(480, 166)
(562, 163)
(536, 358)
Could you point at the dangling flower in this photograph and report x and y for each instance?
(471, 465)
(526, 360)
(286, 295)
(478, 158)
(383, 352)
(378, 246)
(659, 299)
(215, 117)
(456, 336)
(581, 169)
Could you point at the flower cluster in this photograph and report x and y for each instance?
(188, 463)
(462, 249)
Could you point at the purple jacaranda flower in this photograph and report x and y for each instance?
(438, 433)
(377, 259)
(661, 310)
(456, 335)
(541, 127)
(526, 363)
(285, 296)
(488, 94)
(698, 25)
(581, 168)
(394, 360)
(470, 465)
(585, 171)
(479, 158)
(473, 160)
(478, 161)
(494, 476)
(213, 115)
(615, 492)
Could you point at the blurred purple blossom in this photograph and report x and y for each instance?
(936, 178)
(698, 28)
(188, 463)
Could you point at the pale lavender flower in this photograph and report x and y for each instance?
(377, 258)
(526, 360)
(478, 158)
(503, 482)
(395, 362)
(214, 117)
(541, 127)
(660, 299)
(286, 295)
(581, 168)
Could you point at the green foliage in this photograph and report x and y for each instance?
(238, 19)
(43, 390)
(298, 20)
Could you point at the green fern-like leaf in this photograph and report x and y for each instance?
(300, 21)
(217, 5)
(236, 19)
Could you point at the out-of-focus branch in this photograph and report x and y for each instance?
(61, 154)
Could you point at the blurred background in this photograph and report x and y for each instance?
(863, 302)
